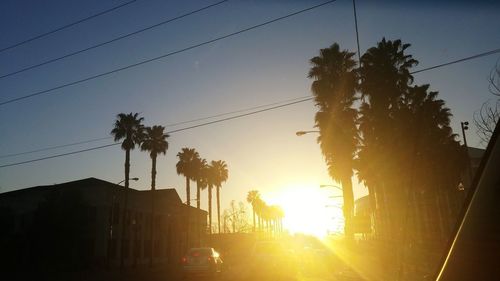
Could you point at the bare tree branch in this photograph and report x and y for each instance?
(494, 80)
(486, 118)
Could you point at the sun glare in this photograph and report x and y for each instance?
(308, 210)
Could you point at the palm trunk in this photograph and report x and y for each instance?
(124, 211)
(188, 221)
(253, 212)
(153, 188)
(210, 209)
(188, 191)
(348, 195)
(218, 208)
(198, 200)
(198, 190)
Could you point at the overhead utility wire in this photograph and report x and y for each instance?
(66, 26)
(241, 115)
(170, 132)
(168, 125)
(109, 41)
(163, 56)
(459, 60)
(52, 147)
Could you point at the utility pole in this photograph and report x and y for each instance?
(465, 126)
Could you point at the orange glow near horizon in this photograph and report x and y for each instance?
(306, 212)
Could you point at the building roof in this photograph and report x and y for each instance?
(170, 193)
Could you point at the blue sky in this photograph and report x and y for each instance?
(262, 66)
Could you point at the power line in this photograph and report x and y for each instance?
(109, 41)
(66, 26)
(459, 60)
(245, 114)
(52, 147)
(239, 116)
(59, 155)
(168, 125)
(234, 112)
(170, 132)
(163, 56)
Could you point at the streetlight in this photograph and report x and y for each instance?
(465, 127)
(132, 179)
(330, 185)
(301, 133)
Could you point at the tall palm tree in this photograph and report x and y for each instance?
(384, 84)
(252, 197)
(128, 127)
(155, 142)
(199, 171)
(186, 167)
(200, 167)
(210, 180)
(334, 90)
(220, 176)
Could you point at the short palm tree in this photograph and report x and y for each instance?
(129, 128)
(155, 141)
(220, 176)
(252, 197)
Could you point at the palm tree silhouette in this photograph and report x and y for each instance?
(252, 197)
(186, 167)
(334, 90)
(129, 128)
(220, 175)
(385, 78)
(155, 142)
(210, 181)
(200, 170)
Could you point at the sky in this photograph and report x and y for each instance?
(258, 67)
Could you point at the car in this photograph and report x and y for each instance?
(270, 260)
(201, 262)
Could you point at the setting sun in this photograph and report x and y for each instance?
(308, 210)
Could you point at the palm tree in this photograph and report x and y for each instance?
(252, 197)
(129, 128)
(220, 176)
(385, 78)
(200, 167)
(186, 167)
(334, 90)
(210, 180)
(155, 141)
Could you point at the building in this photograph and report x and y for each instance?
(80, 224)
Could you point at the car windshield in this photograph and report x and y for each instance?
(347, 137)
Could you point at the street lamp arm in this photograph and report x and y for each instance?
(132, 179)
(331, 185)
(301, 133)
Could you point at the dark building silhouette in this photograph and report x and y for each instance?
(78, 225)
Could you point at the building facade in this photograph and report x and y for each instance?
(83, 223)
